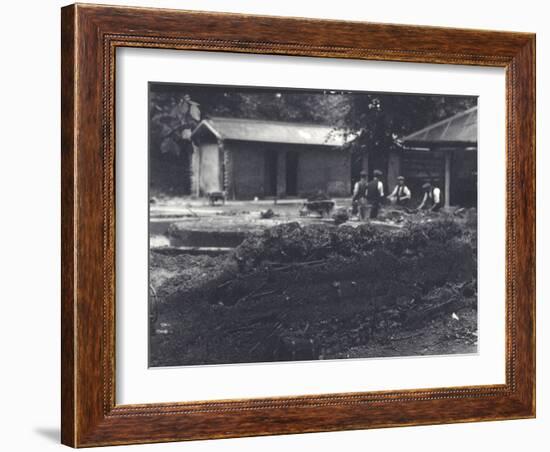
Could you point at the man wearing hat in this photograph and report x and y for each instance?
(431, 199)
(375, 193)
(401, 194)
(359, 199)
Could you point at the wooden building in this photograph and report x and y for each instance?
(444, 153)
(249, 158)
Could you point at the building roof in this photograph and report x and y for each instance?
(458, 130)
(274, 131)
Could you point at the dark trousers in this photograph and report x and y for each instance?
(433, 207)
(362, 208)
(374, 209)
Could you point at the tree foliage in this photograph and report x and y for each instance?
(380, 117)
(173, 117)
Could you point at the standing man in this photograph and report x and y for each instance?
(359, 199)
(401, 194)
(375, 193)
(431, 199)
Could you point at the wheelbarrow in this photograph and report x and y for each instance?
(215, 196)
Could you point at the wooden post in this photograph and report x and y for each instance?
(448, 155)
(394, 169)
(221, 166)
(365, 163)
(281, 172)
(196, 169)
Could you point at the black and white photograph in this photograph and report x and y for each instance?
(294, 224)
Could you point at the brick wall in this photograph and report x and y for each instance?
(324, 169)
(319, 168)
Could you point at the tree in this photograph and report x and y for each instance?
(173, 117)
(382, 118)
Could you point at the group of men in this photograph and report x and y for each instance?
(368, 195)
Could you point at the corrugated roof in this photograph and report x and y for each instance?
(460, 129)
(274, 131)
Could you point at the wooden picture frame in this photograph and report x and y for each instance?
(90, 36)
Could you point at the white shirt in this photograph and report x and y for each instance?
(406, 193)
(437, 195)
(356, 188)
(380, 188)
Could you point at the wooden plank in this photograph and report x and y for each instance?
(68, 232)
(448, 156)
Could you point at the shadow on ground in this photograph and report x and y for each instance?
(50, 433)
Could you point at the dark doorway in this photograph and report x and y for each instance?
(271, 170)
(291, 173)
(464, 179)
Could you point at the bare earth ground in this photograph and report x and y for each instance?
(301, 288)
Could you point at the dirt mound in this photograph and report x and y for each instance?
(292, 242)
(292, 292)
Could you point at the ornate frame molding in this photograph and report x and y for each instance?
(90, 37)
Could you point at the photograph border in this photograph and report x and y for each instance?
(90, 36)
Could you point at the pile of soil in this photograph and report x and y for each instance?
(295, 292)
